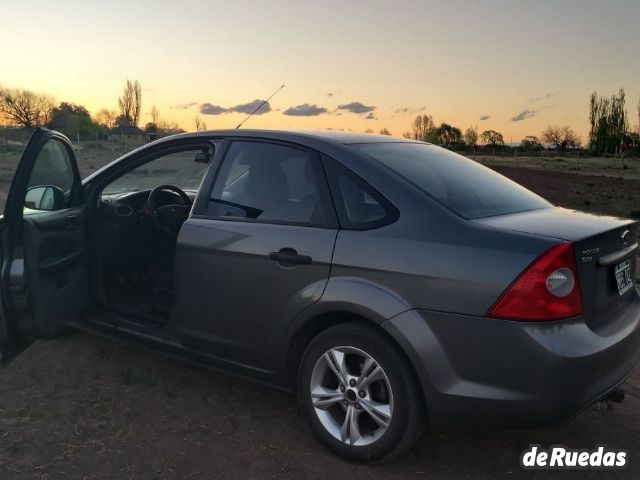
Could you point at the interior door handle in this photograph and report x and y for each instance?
(72, 221)
(288, 257)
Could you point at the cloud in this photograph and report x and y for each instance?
(485, 117)
(209, 109)
(248, 108)
(410, 110)
(547, 96)
(523, 115)
(183, 106)
(356, 107)
(305, 110)
(371, 116)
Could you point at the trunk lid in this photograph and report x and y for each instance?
(605, 249)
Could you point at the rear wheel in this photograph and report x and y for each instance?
(358, 393)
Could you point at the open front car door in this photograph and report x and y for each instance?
(43, 276)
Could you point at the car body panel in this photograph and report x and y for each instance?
(220, 265)
(478, 372)
(556, 222)
(435, 265)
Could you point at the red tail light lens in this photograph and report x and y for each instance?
(547, 290)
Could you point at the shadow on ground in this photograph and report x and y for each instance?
(85, 407)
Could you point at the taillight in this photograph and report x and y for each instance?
(547, 290)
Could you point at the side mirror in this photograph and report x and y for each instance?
(44, 197)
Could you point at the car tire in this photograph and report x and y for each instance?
(359, 394)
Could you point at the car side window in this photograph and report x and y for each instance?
(359, 205)
(269, 182)
(51, 180)
(184, 169)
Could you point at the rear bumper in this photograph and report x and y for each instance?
(478, 372)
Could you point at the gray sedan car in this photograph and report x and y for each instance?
(390, 283)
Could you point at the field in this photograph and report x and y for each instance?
(84, 407)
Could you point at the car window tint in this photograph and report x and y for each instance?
(179, 169)
(461, 184)
(52, 167)
(359, 205)
(269, 182)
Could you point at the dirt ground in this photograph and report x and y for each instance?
(88, 408)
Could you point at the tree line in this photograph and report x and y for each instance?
(424, 129)
(609, 126)
(609, 131)
(27, 109)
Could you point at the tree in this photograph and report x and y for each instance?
(168, 128)
(155, 115)
(198, 122)
(151, 127)
(25, 108)
(368, 130)
(385, 131)
(124, 121)
(106, 118)
(608, 122)
(448, 136)
(492, 138)
(470, 136)
(561, 137)
(72, 120)
(130, 103)
(531, 143)
(423, 128)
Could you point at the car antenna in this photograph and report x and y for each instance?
(261, 105)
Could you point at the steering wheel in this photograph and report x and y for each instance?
(168, 218)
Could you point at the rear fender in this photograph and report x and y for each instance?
(343, 297)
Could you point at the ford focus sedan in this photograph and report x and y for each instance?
(389, 283)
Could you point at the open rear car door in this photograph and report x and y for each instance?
(43, 264)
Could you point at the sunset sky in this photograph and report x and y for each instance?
(512, 66)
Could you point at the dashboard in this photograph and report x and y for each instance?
(132, 206)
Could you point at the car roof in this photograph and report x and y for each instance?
(331, 136)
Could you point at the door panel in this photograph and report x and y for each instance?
(55, 263)
(256, 251)
(233, 300)
(44, 268)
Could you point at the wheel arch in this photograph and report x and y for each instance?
(313, 325)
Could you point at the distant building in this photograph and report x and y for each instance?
(129, 134)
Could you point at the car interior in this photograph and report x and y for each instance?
(136, 227)
(270, 183)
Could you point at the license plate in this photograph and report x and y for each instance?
(623, 277)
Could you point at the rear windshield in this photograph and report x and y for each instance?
(461, 184)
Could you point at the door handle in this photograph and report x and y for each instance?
(288, 257)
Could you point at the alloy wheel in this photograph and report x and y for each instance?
(351, 395)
